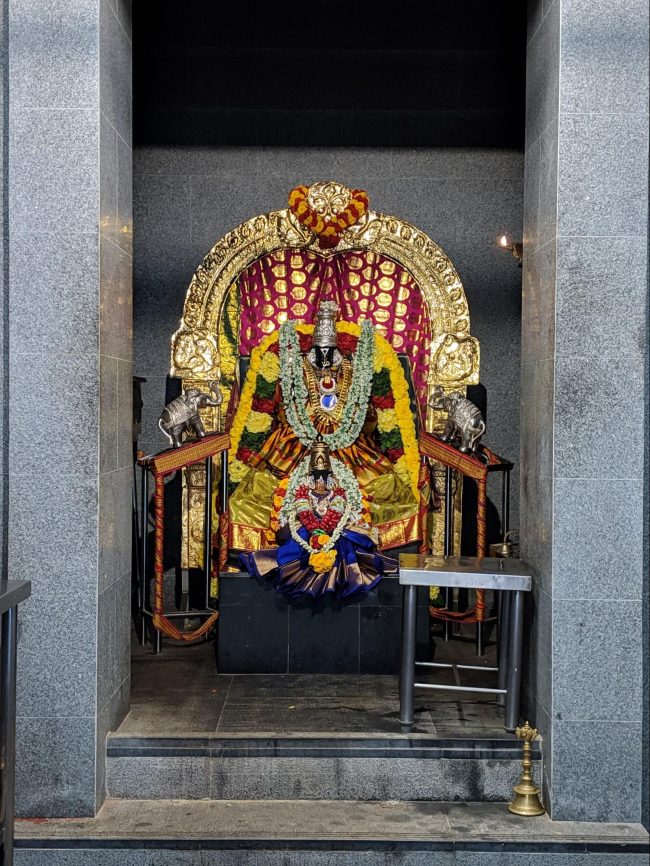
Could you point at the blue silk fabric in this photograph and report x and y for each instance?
(357, 568)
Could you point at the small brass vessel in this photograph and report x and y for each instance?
(502, 549)
(526, 801)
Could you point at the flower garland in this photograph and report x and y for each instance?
(388, 394)
(295, 511)
(295, 396)
(328, 231)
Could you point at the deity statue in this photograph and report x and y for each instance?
(339, 383)
(325, 542)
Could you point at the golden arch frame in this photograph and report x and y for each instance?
(455, 356)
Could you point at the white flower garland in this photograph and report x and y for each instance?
(345, 479)
(294, 390)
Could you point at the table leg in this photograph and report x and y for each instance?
(503, 632)
(514, 660)
(407, 674)
(8, 731)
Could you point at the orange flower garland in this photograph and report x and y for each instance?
(328, 231)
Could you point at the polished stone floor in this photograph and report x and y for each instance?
(179, 692)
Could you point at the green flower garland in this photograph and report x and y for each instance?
(295, 396)
(345, 478)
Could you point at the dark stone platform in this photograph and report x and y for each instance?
(262, 632)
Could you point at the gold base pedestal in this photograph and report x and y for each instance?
(526, 801)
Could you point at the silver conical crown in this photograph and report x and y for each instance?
(325, 328)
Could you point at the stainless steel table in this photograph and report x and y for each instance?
(12, 592)
(511, 578)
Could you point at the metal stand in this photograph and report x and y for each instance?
(11, 593)
(407, 671)
(144, 610)
(511, 579)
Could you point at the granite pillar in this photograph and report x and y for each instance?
(69, 390)
(582, 408)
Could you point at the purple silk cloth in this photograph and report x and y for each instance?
(291, 283)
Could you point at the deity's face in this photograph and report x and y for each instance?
(324, 357)
(320, 480)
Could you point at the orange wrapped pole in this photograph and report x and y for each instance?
(160, 621)
(481, 541)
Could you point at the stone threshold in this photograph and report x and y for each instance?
(315, 746)
(325, 825)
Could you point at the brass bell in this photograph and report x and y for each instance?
(503, 549)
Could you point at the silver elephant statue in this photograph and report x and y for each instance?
(464, 419)
(182, 414)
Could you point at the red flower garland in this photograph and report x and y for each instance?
(328, 522)
(262, 404)
(328, 231)
(383, 401)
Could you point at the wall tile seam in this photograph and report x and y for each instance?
(539, 26)
(640, 237)
(104, 237)
(92, 715)
(117, 358)
(633, 478)
(43, 233)
(18, 107)
(112, 472)
(639, 113)
(633, 723)
(597, 600)
(529, 145)
(121, 26)
(528, 253)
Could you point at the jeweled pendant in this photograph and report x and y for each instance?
(328, 402)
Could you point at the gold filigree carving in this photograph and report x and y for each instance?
(196, 353)
(328, 198)
(454, 360)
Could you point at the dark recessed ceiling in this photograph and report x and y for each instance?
(327, 73)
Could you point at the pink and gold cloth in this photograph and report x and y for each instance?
(290, 283)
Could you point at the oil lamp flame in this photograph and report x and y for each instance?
(503, 240)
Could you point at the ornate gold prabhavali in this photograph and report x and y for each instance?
(200, 351)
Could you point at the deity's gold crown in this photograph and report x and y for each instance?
(319, 458)
(325, 327)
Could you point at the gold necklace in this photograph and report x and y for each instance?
(320, 397)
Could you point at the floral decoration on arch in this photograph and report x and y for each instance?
(328, 229)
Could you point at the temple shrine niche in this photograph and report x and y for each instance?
(321, 347)
(279, 267)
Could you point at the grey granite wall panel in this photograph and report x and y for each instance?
(70, 329)
(579, 750)
(602, 163)
(116, 352)
(55, 766)
(604, 56)
(186, 198)
(583, 313)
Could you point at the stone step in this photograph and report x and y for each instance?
(343, 767)
(321, 833)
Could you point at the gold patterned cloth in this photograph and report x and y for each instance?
(394, 510)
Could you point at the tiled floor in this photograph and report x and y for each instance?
(179, 692)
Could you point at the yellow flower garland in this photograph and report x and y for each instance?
(258, 422)
(265, 363)
(270, 367)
